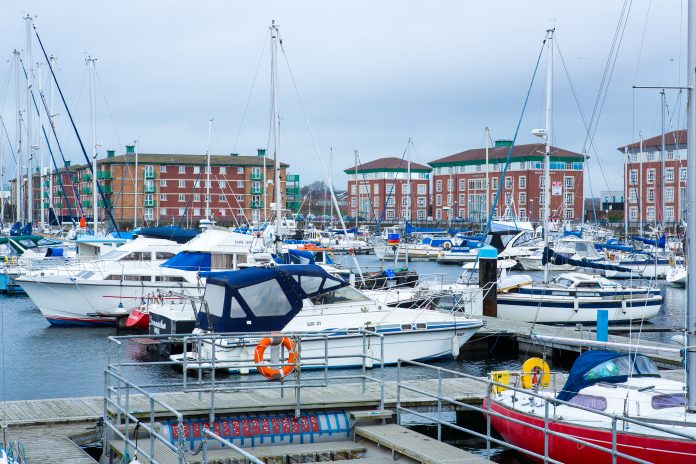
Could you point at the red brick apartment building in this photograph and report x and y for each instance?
(379, 189)
(170, 187)
(460, 189)
(644, 182)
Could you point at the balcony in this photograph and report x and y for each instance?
(101, 203)
(86, 204)
(45, 194)
(86, 177)
(292, 191)
(150, 189)
(256, 190)
(57, 204)
(47, 183)
(293, 178)
(107, 189)
(46, 204)
(257, 204)
(86, 191)
(149, 174)
(104, 175)
(149, 203)
(256, 176)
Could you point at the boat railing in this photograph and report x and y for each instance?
(132, 402)
(548, 402)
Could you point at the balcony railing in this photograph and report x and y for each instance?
(86, 204)
(86, 191)
(149, 174)
(257, 204)
(256, 190)
(150, 189)
(86, 177)
(107, 189)
(104, 175)
(256, 176)
(149, 203)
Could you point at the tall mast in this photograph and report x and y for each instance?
(93, 121)
(357, 190)
(640, 183)
(547, 151)
(207, 170)
(691, 210)
(330, 184)
(51, 61)
(135, 186)
(276, 130)
(18, 190)
(662, 163)
(488, 193)
(626, 189)
(408, 205)
(30, 127)
(2, 177)
(42, 168)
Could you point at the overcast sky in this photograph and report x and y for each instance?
(370, 74)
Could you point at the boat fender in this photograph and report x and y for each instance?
(272, 373)
(369, 362)
(455, 346)
(535, 373)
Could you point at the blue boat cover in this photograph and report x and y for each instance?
(613, 244)
(552, 257)
(660, 242)
(352, 230)
(175, 233)
(422, 230)
(606, 366)
(54, 252)
(298, 257)
(572, 233)
(262, 299)
(189, 261)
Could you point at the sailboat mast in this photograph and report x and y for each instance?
(662, 163)
(51, 62)
(408, 205)
(207, 170)
(30, 127)
(42, 168)
(276, 122)
(547, 150)
(640, 184)
(18, 190)
(93, 121)
(488, 193)
(626, 189)
(135, 186)
(691, 210)
(357, 189)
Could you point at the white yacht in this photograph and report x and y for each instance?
(296, 298)
(571, 247)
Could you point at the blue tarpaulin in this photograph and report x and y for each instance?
(559, 260)
(189, 261)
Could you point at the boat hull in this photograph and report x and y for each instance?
(652, 449)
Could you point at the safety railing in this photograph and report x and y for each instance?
(209, 353)
(549, 403)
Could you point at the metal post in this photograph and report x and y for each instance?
(212, 387)
(546, 430)
(613, 440)
(364, 360)
(488, 420)
(152, 428)
(125, 416)
(439, 405)
(691, 210)
(398, 392)
(381, 370)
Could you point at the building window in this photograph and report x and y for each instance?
(223, 212)
(541, 199)
(438, 214)
(650, 213)
(542, 181)
(421, 214)
(182, 169)
(163, 182)
(651, 176)
(478, 168)
(669, 194)
(163, 197)
(462, 184)
(223, 170)
(633, 213)
(182, 211)
(494, 183)
(670, 155)
(438, 186)
(669, 175)
(569, 198)
(651, 156)
(390, 214)
(222, 199)
(633, 194)
(405, 189)
(197, 197)
(182, 183)
(569, 182)
(508, 182)
(352, 202)
(633, 176)
(149, 214)
(523, 213)
(222, 184)
(163, 168)
(163, 211)
(421, 202)
(240, 170)
(438, 200)
(182, 198)
(669, 213)
(240, 184)
(523, 182)
(569, 213)
(376, 201)
(196, 211)
(197, 183)
(523, 165)
(375, 189)
(422, 189)
(682, 174)
(196, 169)
(651, 194)
(405, 201)
(449, 185)
(391, 201)
(462, 199)
(523, 198)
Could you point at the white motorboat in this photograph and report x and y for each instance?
(571, 247)
(574, 297)
(646, 265)
(298, 298)
(677, 276)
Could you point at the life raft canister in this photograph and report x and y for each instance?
(535, 372)
(273, 373)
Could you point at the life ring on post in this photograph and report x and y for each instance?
(273, 373)
(447, 245)
(535, 373)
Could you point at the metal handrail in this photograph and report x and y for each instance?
(489, 413)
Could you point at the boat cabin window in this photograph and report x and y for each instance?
(137, 256)
(26, 243)
(266, 299)
(163, 255)
(114, 277)
(221, 261)
(169, 279)
(85, 274)
(340, 295)
(584, 285)
(590, 401)
(137, 278)
(621, 366)
(113, 255)
(563, 281)
(215, 297)
(673, 400)
(6, 250)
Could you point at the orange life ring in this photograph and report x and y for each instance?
(272, 373)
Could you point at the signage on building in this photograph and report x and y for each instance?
(557, 188)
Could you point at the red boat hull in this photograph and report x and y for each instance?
(138, 320)
(656, 450)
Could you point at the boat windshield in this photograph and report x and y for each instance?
(621, 366)
(340, 295)
(113, 255)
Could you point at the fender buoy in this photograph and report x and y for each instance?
(273, 373)
(535, 372)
